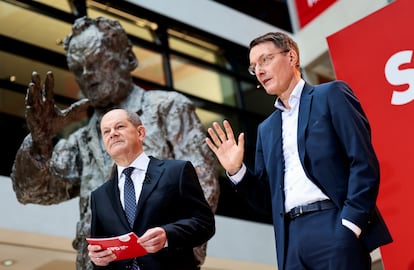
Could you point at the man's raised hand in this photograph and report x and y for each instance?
(229, 152)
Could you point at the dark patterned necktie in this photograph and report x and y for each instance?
(130, 203)
(129, 196)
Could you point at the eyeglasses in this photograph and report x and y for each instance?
(263, 61)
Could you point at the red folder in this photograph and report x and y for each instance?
(123, 246)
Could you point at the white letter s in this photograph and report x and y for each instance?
(395, 76)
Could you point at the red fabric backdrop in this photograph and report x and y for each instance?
(374, 55)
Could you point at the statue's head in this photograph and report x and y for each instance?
(100, 55)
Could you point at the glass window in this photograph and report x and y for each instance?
(62, 5)
(194, 47)
(12, 103)
(202, 82)
(21, 68)
(133, 25)
(150, 66)
(256, 100)
(33, 28)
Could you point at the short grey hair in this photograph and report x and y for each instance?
(133, 117)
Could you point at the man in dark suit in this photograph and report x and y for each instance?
(315, 169)
(172, 215)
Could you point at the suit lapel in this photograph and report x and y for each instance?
(114, 198)
(277, 150)
(303, 119)
(154, 173)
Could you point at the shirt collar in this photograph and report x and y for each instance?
(140, 163)
(293, 98)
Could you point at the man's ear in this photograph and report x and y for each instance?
(293, 57)
(141, 131)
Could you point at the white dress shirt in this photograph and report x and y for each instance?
(299, 189)
(138, 175)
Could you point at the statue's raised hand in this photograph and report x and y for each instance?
(44, 119)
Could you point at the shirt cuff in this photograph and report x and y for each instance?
(237, 177)
(352, 227)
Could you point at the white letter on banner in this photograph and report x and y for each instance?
(395, 76)
(312, 2)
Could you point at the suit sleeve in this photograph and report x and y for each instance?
(353, 130)
(197, 224)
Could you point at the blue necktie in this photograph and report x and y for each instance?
(130, 203)
(129, 196)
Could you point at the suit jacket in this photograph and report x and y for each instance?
(335, 150)
(171, 198)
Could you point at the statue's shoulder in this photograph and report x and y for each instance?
(166, 96)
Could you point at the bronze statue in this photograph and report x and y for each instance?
(100, 55)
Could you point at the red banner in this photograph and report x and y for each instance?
(375, 56)
(307, 10)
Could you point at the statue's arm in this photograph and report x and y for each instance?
(33, 180)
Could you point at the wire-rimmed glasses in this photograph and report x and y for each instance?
(263, 61)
